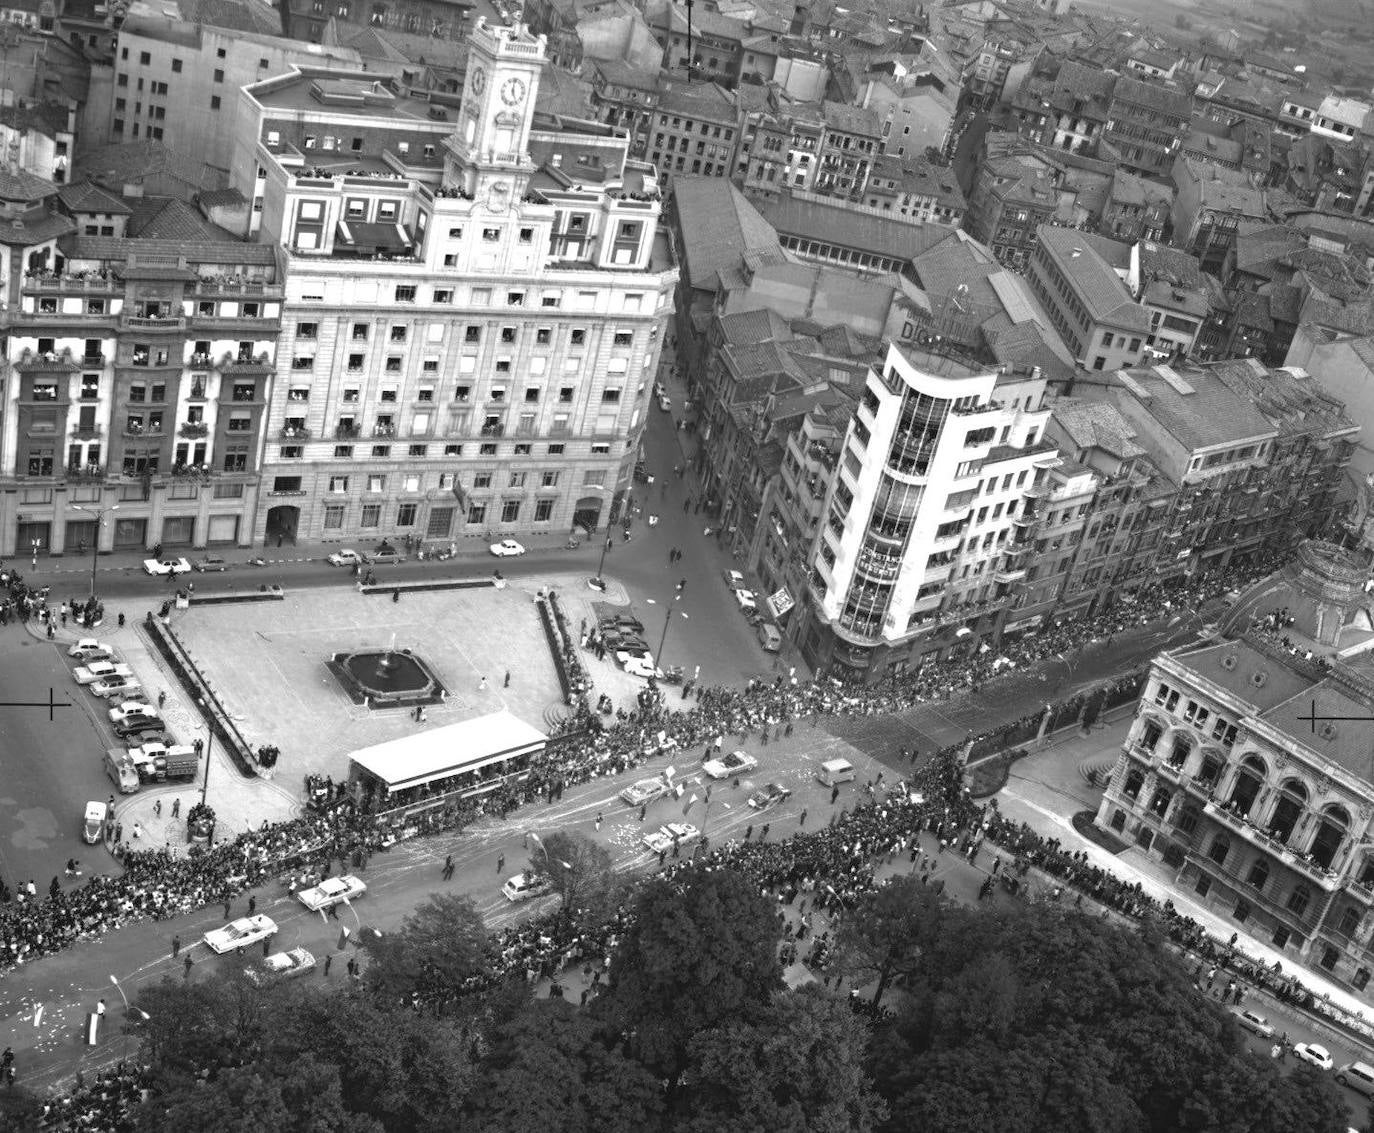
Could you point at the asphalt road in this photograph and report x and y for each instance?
(49, 762)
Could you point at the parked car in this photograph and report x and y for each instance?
(733, 579)
(129, 708)
(641, 667)
(625, 648)
(670, 835)
(769, 796)
(746, 601)
(383, 556)
(1358, 1076)
(166, 566)
(88, 649)
(99, 670)
(769, 637)
(281, 966)
(344, 556)
(240, 934)
(507, 547)
(117, 685)
(665, 403)
(142, 727)
(621, 623)
(1252, 1022)
(736, 763)
(331, 891)
(644, 791)
(1315, 1055)
(524, 886)
(208, 563)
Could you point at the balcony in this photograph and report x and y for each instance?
(347, 432)
(1009, 575)
(166, 323)
(86, 432)
(143, 431)
(200, 359)
(194, 429)
(1253, 834)
(92, 361)
(295, 433)
(383, 430)
(237, 285)
(80, 281)
(85, 473)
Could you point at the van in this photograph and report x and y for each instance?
(121, 769)
(93, 827)
(833, 772)
(1359, 1076)
(769, 637)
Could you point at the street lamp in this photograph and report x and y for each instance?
(99, 513)
(667, 621)
(114, 979)
(598, 582)
(209, 742)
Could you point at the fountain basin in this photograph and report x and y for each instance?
(386, 678)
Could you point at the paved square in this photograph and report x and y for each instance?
(266, 662)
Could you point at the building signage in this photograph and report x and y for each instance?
(780, 602)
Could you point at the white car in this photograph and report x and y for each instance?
(88, 649)
(99, 670)
(644, 791)
(523, 886)
(131, 708)
(281, 966)
(240, 934)
(115, 686)
(664, 838)
(344, 556)
(736, 763)
(746, 601)
(507, 547)
(331, 891)
(641, 667)
(1252, 1022)
(659, 391)
(1318, 1056)
(734, 580)
(166, 566)
(665, 403)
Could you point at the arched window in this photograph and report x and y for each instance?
(1288, 809)
(1134, 781)
(1350, 920)
(1299, 899)
(1180, 750)
(1221, 846)
(1210, 769)
(1361, 979)
(1330, 836)
(1160, 803)
(1258, 875)
(1247, 786)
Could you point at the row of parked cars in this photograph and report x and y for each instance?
(161, 568)
(770, 637)
(1359, 1076)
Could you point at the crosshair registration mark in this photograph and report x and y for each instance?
(1314, 719)
(51, 704)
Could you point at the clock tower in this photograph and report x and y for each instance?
(488, 155)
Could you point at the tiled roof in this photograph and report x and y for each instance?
(1093, 279)
(21, 186)
(849, 227)
(1153, 96)
(166, 218)
(89, 197)
(704, 100)
(217, 198)
(761, 325)
(234, 15)
(1280, 682)
(122, 162)
(1172, 265)
(718, 226)
(1212, 414)
(1294, 405)
(34, 227)
(851, 119)
(117, 248)
(1096, 424)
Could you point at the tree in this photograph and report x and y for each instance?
(702, 950)
(439, 946)
(884, 936)
(577, 867)
(191, 1027)
(548, 1069)
(800, 1067)
(300, 1095)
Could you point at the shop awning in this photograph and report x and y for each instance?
(374, 239)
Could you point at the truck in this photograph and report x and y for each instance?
(122, 770)
(157, 762)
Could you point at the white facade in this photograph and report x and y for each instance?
(935, 479)
(489, 366)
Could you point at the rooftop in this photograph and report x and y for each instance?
(1094, 280)
(849, 227)
(717, 228)
(1096, 424)
(1209, 414)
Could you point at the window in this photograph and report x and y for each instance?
(333, 517)
(343, 452)
(219, 75)
(510, 511)
(405, 515)
(398, 333)
(550, 480)
(338, 485)
(176, 66)
(543, 511)
(372, 515)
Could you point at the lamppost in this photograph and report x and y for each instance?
(99, 513)
(209, 742)
(667, 621)
(114, 979)
(598, 582)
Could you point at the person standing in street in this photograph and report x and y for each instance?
(500, 863)
(448, 868)
(176, 947)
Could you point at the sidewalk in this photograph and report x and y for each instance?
(239, 804)
(1046, 789)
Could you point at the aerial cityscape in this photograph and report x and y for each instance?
(722, 566)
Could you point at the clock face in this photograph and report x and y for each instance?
(512, 92)
(479, 81)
